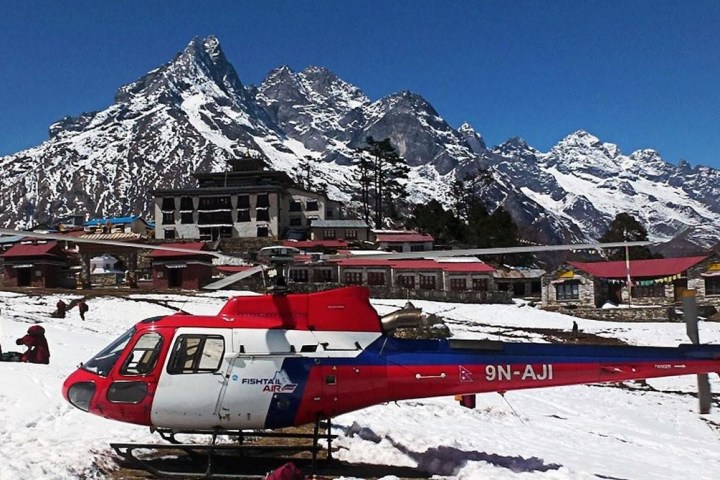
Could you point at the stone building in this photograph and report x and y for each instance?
(246, 201)
(592, 284)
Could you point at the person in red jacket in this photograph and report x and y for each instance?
(35, 341)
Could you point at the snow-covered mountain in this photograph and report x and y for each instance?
(194, 113)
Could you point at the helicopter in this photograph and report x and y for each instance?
(286, 359)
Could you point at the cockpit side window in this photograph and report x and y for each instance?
(104, 361)
(144, 355)
(196, 354)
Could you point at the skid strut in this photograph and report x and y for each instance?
(213, 451)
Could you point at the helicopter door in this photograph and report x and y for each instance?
(189, 389)
(258, 386)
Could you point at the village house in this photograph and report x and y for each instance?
(129, 224)
(519, 282)
(447, 276)
(181, 270)
(593, 284)
(341, 230)
(402, 241)
(246, 201)
(35, 264)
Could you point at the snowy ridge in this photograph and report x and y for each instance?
(194, 113)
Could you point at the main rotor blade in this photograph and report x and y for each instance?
(471, 252)
(235, 277)
(116, 243)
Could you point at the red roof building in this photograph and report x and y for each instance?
(593, 284)
(37, 264)
(187, 270)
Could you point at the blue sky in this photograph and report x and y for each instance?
(641, 74)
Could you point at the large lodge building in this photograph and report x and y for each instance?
(244, 202)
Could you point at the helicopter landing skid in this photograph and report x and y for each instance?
(221, 459)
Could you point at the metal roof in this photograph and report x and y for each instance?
(658, 267)
(339, 224)
(113, 221)
(30, 249)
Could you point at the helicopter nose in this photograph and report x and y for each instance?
(79, 389)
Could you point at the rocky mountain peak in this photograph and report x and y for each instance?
(473, 138)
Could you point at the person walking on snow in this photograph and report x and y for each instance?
(82, 306)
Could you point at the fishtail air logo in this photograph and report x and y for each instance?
(279, 383)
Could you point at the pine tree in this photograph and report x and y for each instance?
(626, 228)
(381, 172)
(443, 225)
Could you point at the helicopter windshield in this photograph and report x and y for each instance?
(104, 361)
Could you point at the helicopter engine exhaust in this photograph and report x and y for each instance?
(404, 318)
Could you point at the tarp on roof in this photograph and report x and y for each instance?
(30, 250)
(113, 221)
(657, 267)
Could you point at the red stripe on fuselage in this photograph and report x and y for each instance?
(358, 387)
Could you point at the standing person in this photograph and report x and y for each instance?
(82, 306)
(37, 346)
(61, 309)
(574, 330)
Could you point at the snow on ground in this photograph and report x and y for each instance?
(580, 432)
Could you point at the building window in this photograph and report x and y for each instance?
(311, 218)
(243, 215)
(417, 247)
(263, 201)
(322, 275)
(295, 206)
(296, 221)
(168, 218)
(311, 206)
(168, 204)
(186, 217)
(353, 278)
(351, 234)
(329, 234)
(262, 214)
(209, 234)
(479, 284)
(648, 291)
(458, 284)
(427, 282)
(263, 231)
(170, 234)
(376, 278)
(712, 286)
(186, 203)
(299, 275)
(243, 201)
(223, 217)
(215, 203)
(407, 281)
(329, 213)
(567, 291)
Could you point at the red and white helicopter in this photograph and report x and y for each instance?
(287, 359)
